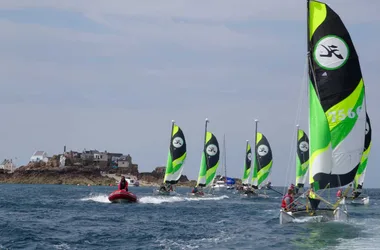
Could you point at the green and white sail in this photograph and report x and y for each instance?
(210, 159)
(176, 156)
(360, 174)
(247, 164)
(337, 111)
(263, 161)
(302, 158)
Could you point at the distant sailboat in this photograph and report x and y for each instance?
(245, 181)
(176, 158)
(337, 114)
(302, 160)
(262, 163)
(209, 162)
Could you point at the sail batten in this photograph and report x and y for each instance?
(336, 100)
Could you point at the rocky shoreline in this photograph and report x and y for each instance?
(47, 174)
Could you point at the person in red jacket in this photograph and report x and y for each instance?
(123, 184)
(287, 201)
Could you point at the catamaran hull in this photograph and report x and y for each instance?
(198, 194)
(321, 215)
(219, 187)
(164, 193)
(360, 201)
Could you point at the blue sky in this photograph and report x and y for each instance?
(112, 76)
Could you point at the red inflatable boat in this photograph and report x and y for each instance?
(122, 196)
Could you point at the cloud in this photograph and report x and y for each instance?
(112, 77)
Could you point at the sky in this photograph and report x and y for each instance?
(94, 75)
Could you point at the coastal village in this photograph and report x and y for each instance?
(89, 167)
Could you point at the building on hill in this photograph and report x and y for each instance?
(124, 161)
(7, 166)
(114, 157)
(39, 156)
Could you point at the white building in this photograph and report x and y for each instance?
(7, 166)
(39, 156)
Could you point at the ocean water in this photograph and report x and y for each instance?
(81, 217)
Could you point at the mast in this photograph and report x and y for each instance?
(170, 144)
(205, 140)
(245, 161)
(297, 131)
(225, 158)
(206, 121)
(254, 163)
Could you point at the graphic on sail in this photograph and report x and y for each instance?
(302, 158)
(336, 100)
(247, 164)
(360, 174)
(210, 159)
(263, 161)
(176, 156)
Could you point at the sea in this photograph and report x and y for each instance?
(81, 217)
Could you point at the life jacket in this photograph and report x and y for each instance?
(283, 203)
(339, 193)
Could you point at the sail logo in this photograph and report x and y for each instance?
(304, 146)
(262, 150)
(177, 142)
(211, 150)
(331, 52)
(249, 156)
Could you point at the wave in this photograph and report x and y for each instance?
(102, 198)
(171, 199)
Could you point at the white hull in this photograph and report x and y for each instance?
(322, 215)
(360, 201)
(165, 193)
(219, 187)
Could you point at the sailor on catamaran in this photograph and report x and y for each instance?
(288, 201)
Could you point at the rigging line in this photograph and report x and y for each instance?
(294, 135)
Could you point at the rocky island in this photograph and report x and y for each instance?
(52, 172)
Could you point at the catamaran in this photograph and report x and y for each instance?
(209, 162)
(221, 184)
(302, 160)
(245, 181)
(337, 114)
(176, 158)
(262, 164)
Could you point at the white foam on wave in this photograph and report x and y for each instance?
(204, 243)
(159, 200)
(171, 199)
(62, 246)
(101, 198)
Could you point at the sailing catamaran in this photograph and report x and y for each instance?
(262, 164)
(221, 183)
(176, 157)
(360, 174)
(209, 162)
(337, 113)
(245, 181)
(302, 160)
